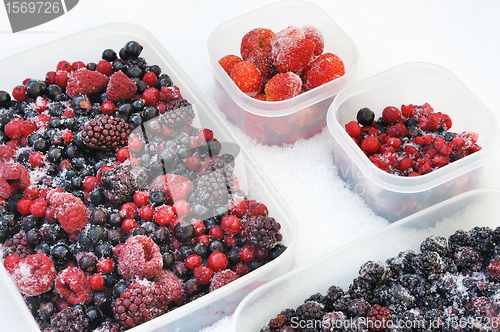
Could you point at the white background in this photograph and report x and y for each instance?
(460, 35)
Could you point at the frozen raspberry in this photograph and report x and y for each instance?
(6, 153)
(34, 275)
(14, 178)
(70, 211)
(142, 301)
(84, 81)
(222, 278)
(172, 285)
(176, 187)
(73, 284)
(140, 257)
(120, 87)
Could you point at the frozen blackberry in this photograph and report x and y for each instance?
(332, 295)
(214, 186)
(106, 133)
(361, 287)
(17, 244)
(394, 296)
(309, 311)
(179, 113)
(468, 259)
(438, 244)
(458, 239)
(429, 263)
(375, 271)
(481, 239)
(69, 319)
(402, 263)
(357, 307)
(283, 319)
(139, 303)
(121, 183)
(261, 231)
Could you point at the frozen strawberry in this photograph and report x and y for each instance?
(176, 187)
(313, 34)
(120, 87)
(259, 38)
(292, 54)
(323, 69)
(283, 86)
(84, 81)
(13, 178)
(172, 284)
(262, 60)
(70, 211)
(227, 62)
(73, 284)
(247, 77)
(140, 257)
(34, 275)
(291, 32)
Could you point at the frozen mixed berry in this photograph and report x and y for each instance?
(140, 257)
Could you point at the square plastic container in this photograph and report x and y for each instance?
(391, 196)
(88, 46)
(282, 122)
(474, 208)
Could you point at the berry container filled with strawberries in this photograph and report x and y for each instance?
(436, 270)
(410, 137)
(125, 201)
(278, 68)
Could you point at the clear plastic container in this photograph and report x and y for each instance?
(391, 196)
(88, 46)
(474, 208)
(283, 122)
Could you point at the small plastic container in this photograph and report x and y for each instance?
(282, 122)
(392, 196)
(88, 46)
(474, 208)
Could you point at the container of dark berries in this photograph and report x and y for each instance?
(120, 179)
(280, 117)
(410, 137)
(438, 267)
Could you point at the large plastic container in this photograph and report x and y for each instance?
(474, 208)
(88, 46)
(283, 122)
(391, 196)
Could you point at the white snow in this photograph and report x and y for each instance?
(459, 35)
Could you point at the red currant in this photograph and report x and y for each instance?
(23, 206)
(370, 144)
(193, 261)
(128, 225)
(105, 265)
(147, 212)
(247, 254)
(134, 144)
(193, 163)
(38, 207)
(217, 261)
(96, 282)
(151, 96)
(122, 154)
(216, 232)
(78, 65)
(231, 224)
(182, 208)
(238, 206)
(150, 78)
(64, 65)
(108, 107)
(199, 226)
(391, 115)
(141, 198)
(105, 67)
(164, 215)
(241, 268)
(203, 274)
(37, 159)
(90, 183)
(353, 129)
(129, 210)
